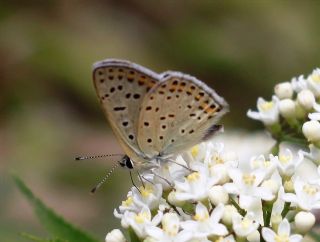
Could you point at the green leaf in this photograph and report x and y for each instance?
(133, 236)
(314, 235)
(54, 223)
(37, 239)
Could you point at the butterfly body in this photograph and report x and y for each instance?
(155, 116)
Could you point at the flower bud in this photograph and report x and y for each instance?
(311, 130)
(283, 90)
(287, 108)
(173, 200)
(304, 221)
(254, 236)
(115, 236)
(306, 99)
(271, 185)
(217, 195)
(229, 212)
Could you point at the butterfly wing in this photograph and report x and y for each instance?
(121, 87)
(179, 112)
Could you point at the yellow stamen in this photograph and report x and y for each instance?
(193, 176)
(127, 202)
(146, 191)
(281, 238)
(195, 150)
(248, 179)
(266, 106)
(310, 190)
(315, 77)
(141, 217)
(284, 159)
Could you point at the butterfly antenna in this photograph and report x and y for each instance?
(95, 156)
(93, 190)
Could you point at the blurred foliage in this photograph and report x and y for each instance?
(54, 224)
(48, 109)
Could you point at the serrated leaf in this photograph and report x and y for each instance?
(54, 223)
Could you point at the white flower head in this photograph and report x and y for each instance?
(306, 196)
(170, 231)
(304, 221)
(299, 83)
(311, 130)
(205, 224)
(248, 184)
(287, 162)
(139, 221)
(148, 195)
(115, 236)
(283, 233)
(196, 185)
(244, 226)
(313, 82)
(260, 162)
(268, 111)
(306, 99)
(283, 90)
(287, 108)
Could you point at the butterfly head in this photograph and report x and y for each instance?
(126, 162)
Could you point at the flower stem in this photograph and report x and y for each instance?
(240, 210)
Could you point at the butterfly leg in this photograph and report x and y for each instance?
(165, 179)
(141, 180)
(188, 168)
(133, 182)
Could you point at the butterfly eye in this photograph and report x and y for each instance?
(129, 163)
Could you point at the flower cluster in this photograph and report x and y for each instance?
(210, 194)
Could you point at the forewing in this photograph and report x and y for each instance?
(179, 112)
(121, 87)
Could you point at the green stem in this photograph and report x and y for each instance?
(240, 210)
(286, 209)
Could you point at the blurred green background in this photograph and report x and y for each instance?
(48, 109)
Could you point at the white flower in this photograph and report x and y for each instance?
(217, 194)
(307, 196)
(304, 221)
(229, 238)
(228, 214)
(149, 195)
(169, 172)
(268, 112)
(283, 90)
(260, 162)
(306, 99)
(127, 205)
(283, 234)
(313, 82)
(196, 185)
(287, 162)
(243, 226)
(277, 209)
(169, 232)
(254, 236)
(299, 83)
(115, 236)
(311, 130)
(205, 224)
(287, 108)
(139, 221)
(247, 184)
(314, 154)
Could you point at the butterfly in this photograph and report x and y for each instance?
(155, 116)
